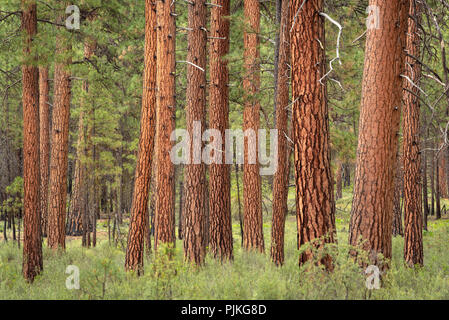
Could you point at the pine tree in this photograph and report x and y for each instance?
(413, 222)
(59, 141)
(252, 193)
(165, 114)
(32, 246)
(371, 215)
(139, 208)
(280, 185)
(44, 137)
(195, 171)
(315, 206)
(220, 226)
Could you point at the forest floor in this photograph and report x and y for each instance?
(249, 276)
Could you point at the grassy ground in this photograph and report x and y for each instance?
(250, 276)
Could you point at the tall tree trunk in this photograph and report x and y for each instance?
(32, 248)
(280, 186)
(413, 222)
(371, 214)
(220, 221)
(44, 133)
(252, 194)
(165, 113)
(315, 205)
(195, 171)
(139, 208)
(59, 141)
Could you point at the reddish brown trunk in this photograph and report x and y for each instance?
(315, 206)
(195, 171)
(139, 207)
(280, 185)
(413, 222)
(44, 133)
(252, 194)
(371, 215)
(220, 226)
(165, 113)
(59, 142)
(32, 246)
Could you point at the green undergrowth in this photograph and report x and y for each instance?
(249, 276)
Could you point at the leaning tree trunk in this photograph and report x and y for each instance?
(220, 227)
(165, 113)
(139, 208)
(44, 133)
(252, 194)
(32, 245)
(280, 185)
(413, 221)
(195, 170)
(315, 205)
(371, 215)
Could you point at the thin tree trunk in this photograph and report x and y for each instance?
(432, 180)
(397, 210)
(371, 214)
(32, 248)
(437, 189)
(239, 203)
(139, 207)
(413, 221)
(180, 208)
(280, 186)
(44, 133)
(315, 204)
(339, 181)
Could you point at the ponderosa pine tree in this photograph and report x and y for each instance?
(165, 115)
(59, 140)
(315, 206)
(413, 222)
(195, 171)
(44, 141)
(252, 193)
(220, 226)
(77, 220)
(280, 184)
(371, 215)
(139, 208)
(32, 245)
